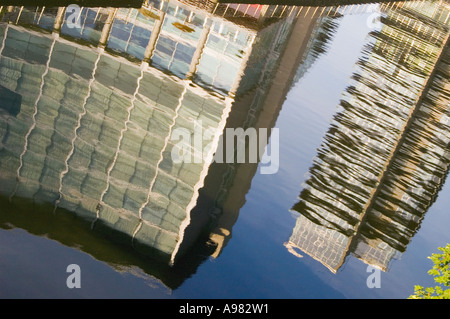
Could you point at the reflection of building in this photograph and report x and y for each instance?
(227, 185)
(90, 102)
(95, 139)
(386, 154)
(414, 179)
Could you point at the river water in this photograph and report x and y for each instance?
(113, 120)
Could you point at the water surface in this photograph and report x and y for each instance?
(90, 105)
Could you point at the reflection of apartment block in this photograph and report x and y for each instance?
(418, 171)
(371, 182)
(88, 113)
(93, 136)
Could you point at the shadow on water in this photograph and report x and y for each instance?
(72, 231)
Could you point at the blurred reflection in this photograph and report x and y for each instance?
(386, 155)
(86, 122)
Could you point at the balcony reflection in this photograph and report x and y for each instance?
(386, 155)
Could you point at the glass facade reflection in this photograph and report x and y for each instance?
(94, 97)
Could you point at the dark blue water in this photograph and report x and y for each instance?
(255, 263)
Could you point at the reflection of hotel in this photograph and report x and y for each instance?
(385, 156)
(87, 112)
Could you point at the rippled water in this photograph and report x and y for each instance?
(94, 101)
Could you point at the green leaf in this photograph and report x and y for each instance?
(441, 273)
